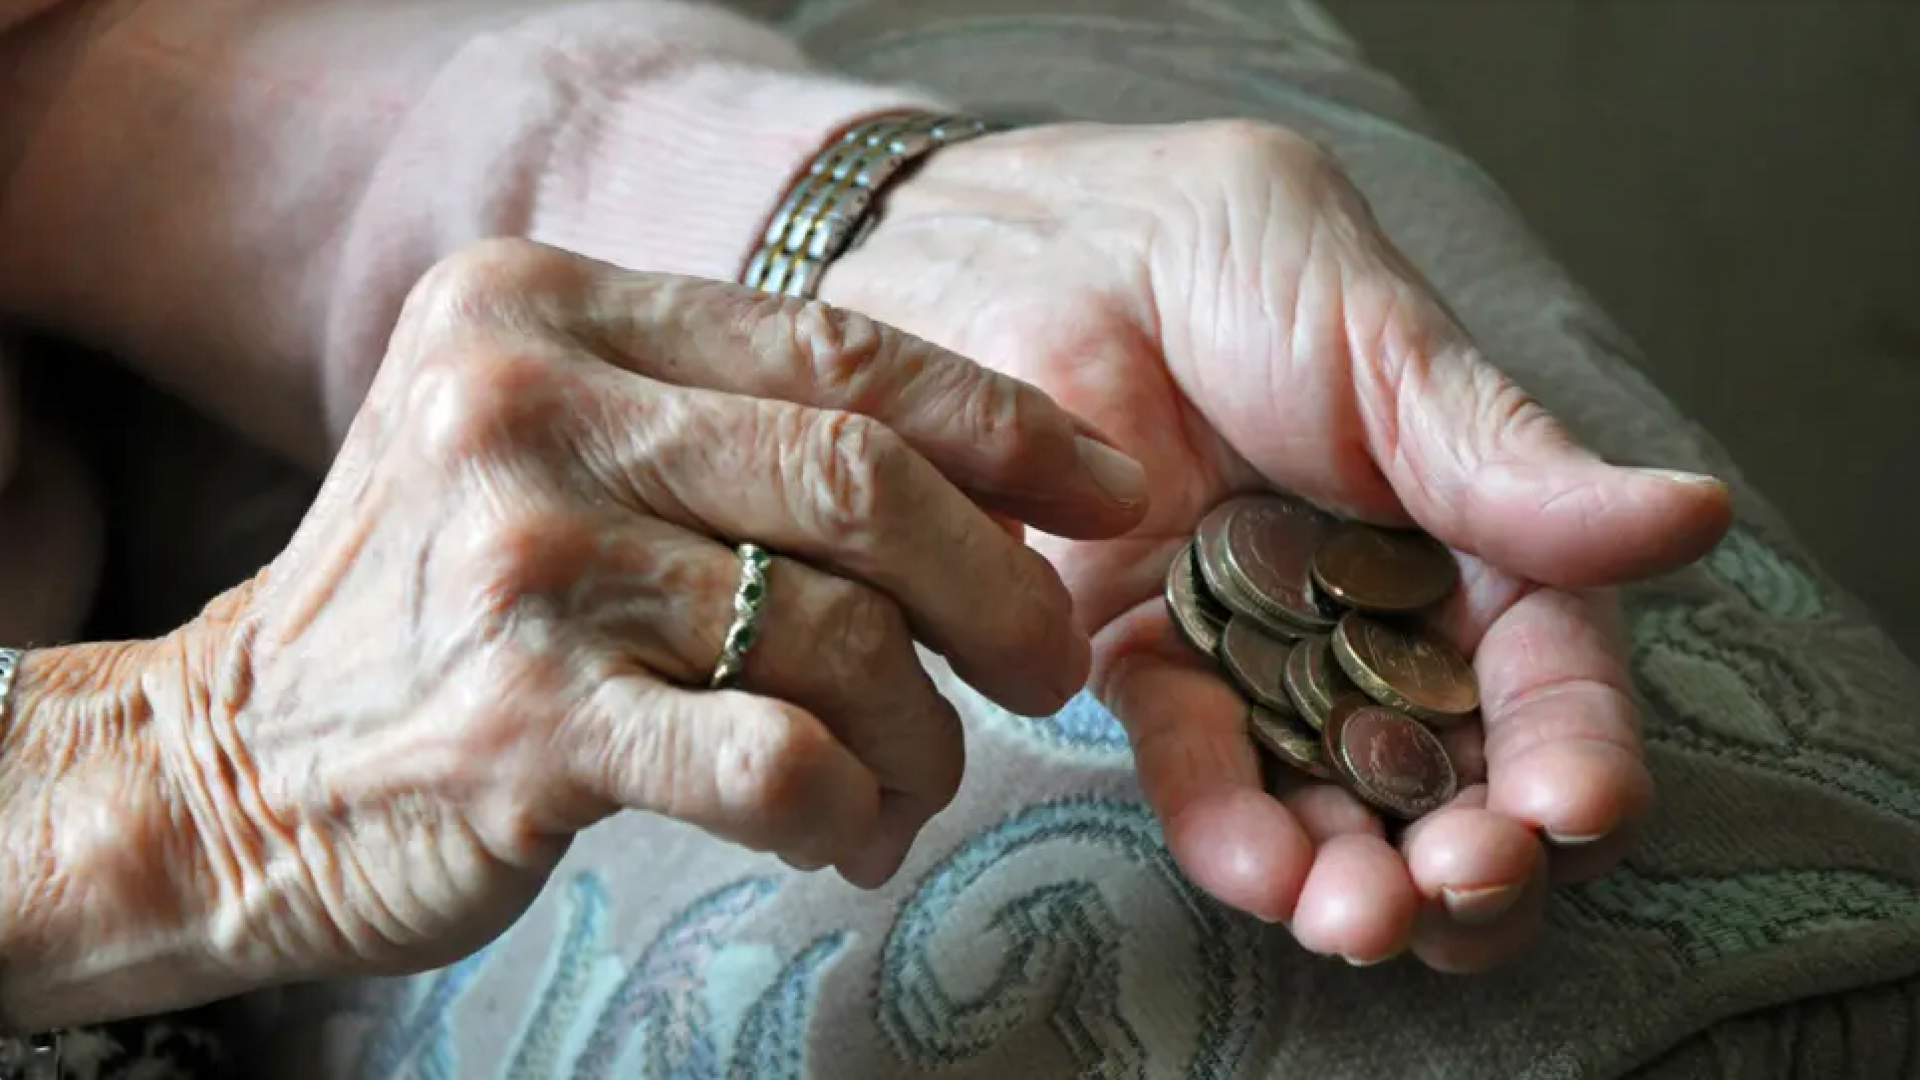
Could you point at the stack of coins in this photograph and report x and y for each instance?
(1315, 620)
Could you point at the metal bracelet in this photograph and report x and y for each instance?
(829, 210)
(35, 1057)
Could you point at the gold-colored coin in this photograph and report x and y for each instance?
(1268, 546)
(1313, 680)
(1412, 670)
(1286, 741)
(1391, 761)
(1257, 664)
(1222, 584)
(1191, 616)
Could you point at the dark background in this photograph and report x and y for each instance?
(1738, 181)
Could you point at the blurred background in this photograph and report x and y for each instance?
(1738, 182)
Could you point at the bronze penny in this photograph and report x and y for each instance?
(1383, 571)
(1286, 742)
(1314, 680)
(1209, 603)
(1305, 702)
(1210, 545)
(1391, 761)
(1269, 545)
(1210, 549)
(1257, 663)
(1409, 669)
(1195, 623)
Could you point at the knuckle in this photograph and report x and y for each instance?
(1246, 152)
(1044, 613)
(522, 568)
(844, 352)
(488, 283)
(771, 769)
(864, 630)
(854, 467)
(1004, 421)
(1251, 143)
(476, 404)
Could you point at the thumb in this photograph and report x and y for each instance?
(1487, 470)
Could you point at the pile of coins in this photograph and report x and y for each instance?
(1315, 620)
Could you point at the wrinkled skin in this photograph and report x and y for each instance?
(495, 626)
(1217, 299)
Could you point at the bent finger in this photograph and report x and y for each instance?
(1562, 729)
(1198, 768)
(1003, 441)
(755, 771)
(849, 495)
(836, 649)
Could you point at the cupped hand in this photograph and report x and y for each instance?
(497, 623)
(1219, 300)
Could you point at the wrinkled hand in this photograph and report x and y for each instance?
(495, 625)
(1218, 299)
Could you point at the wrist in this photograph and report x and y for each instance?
(103, 910)
(690, 191)
(837, 199)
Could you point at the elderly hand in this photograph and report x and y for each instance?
(1218, 299)
(497, 623)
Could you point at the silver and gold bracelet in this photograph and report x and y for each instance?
(834, 203)
(34, 1057)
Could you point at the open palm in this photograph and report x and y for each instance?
(1218, 301)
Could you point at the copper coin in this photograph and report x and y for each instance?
(1314, 680)
(1257, 663)
(1194, 621)
(1393, 762)
(1269, 547)
(1305, 702)
(1210, 544)
(1383, 571)
(1288, 743)
(1210, 604)
(1210, 549)
(1412, 670)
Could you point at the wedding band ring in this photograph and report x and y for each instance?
(747, 600)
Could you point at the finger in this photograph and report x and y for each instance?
(1358, 902)
(759, 772)
(1446, 945)
(846, 493)
(1393, 412)
(1562, 733)
(1001, 440)
(836, 649)
(1472, 862)
(1197, 767)
(1485, 468)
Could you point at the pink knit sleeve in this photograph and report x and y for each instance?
(238, 194)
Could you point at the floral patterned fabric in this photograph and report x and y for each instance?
(1768, 925)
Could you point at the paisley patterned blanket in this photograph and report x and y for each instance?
(1768, 926)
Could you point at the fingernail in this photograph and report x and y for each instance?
(1675, 476)
(1574, 841)
(1355, 962)
(1121, 477)
(1478, 907)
